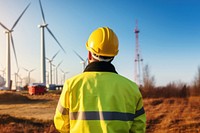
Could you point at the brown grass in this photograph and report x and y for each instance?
(173, 115)
(22, 113)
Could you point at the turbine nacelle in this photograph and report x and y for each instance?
(42, 25)
(8, 31)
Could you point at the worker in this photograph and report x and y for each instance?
(99, 100)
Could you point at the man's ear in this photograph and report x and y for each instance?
(89, 55)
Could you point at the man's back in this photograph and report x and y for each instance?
(102, 102)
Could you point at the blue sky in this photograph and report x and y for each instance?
(169, 35)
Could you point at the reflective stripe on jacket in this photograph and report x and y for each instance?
(100, 101)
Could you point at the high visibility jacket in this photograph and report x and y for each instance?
(100, 101)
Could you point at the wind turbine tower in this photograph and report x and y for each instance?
(138, 58)
(42, 28)
(57, 72)
(64, 73)
(50, 67)
(29, 73)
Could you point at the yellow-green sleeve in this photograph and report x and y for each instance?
(139, 122)
(61, 117)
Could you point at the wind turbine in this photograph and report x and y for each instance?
(29, 73)
(83, 62)
(47, 76)
(16, 78)
(20, 78)
(50, 67)
(42, 27)
(63, 75)
(8, 33)
(57, 72)
(54, 74)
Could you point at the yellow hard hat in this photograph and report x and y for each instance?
(103, 42)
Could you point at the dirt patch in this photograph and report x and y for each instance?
(24, 113)
(7, 97)
(170, 101)
(156, 102)
(9, 124)
(12, 98)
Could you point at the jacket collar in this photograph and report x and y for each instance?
(100, 66)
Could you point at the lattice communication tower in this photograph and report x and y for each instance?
(138, 59)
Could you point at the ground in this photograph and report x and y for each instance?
(23, 113)
(173, 115)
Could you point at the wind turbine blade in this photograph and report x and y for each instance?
(19, 76)
(32, 69)
(25, 69)
(17, 70)
(62, 71)
(20, 16)
(79, 56)
(14, 50)
(48, 59)
(55, 55)
(43, 18)
(59, 64)
(4, 26)
(55, 39)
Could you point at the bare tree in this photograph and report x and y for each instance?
(148, 79)
(196, 83)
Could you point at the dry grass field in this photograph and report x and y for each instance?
(22, 113)
(173, 115)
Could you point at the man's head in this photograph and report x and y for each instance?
(102, 45)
